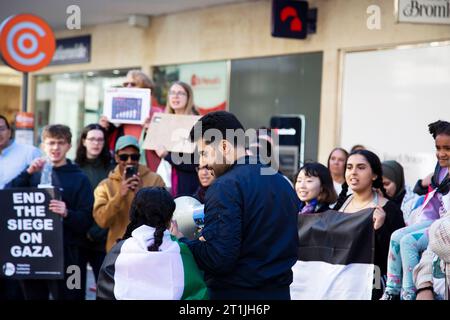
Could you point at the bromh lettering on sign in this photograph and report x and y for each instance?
(31, 235)
(424, 11)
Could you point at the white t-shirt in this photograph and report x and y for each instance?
(14, 159)
(337, 187)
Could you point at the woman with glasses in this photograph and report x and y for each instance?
(180, 99)
(184, 180)
(96, 162)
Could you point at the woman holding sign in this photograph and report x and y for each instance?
(135, 79)
(184, 179)
(364, 175)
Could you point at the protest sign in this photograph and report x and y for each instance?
(171, 131)
(31, 236)
(127, 105)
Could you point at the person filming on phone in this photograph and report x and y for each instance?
(114, 195)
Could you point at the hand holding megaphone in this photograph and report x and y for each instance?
(188, 217)
(174, 230)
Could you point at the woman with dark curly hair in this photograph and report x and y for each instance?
(95, 161)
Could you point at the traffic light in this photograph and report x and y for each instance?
(291, 19)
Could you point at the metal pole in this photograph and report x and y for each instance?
(24, 91)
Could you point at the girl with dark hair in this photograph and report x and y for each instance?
(397, 190)
(94, 159)
(407, 244)
(336, 165)
(148, 263)
(314, 188)
(364, 175)
(206, 178)
(92, 148)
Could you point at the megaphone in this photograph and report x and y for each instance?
(189, 214)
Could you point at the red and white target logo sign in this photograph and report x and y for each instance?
(27, 42)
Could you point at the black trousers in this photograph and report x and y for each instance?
(10, 290)
(94, 258)
(58, 289)
(42, 289)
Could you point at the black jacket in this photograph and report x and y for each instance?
(76, 192)
(96, 171)
(187, 175)
(250, 231)
(393, 222)
(322, 207)
(419, 189)
(200, 194)
(442, 187)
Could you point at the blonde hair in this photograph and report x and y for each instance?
(142, 80)
(189, 108)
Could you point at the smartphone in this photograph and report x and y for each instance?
(130, 171)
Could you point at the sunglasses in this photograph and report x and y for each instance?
(134, 156)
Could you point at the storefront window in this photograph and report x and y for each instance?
(209, 81)
(73, 99)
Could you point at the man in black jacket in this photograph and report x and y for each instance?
(249, 242)
(75, 207)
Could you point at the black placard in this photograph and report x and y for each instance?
(31, 236)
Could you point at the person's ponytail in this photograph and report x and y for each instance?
(342, 197)
(158, 238)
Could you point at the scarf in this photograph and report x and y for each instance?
(310, 207)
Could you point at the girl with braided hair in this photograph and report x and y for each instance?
(149, 263)
(407, 244)
(364, 175)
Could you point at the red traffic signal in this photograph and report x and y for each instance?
(289, 19)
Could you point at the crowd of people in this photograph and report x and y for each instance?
(117, 210)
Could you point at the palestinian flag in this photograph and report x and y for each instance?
(335, 256)
(131, 272)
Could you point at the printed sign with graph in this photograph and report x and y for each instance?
(127, 105)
